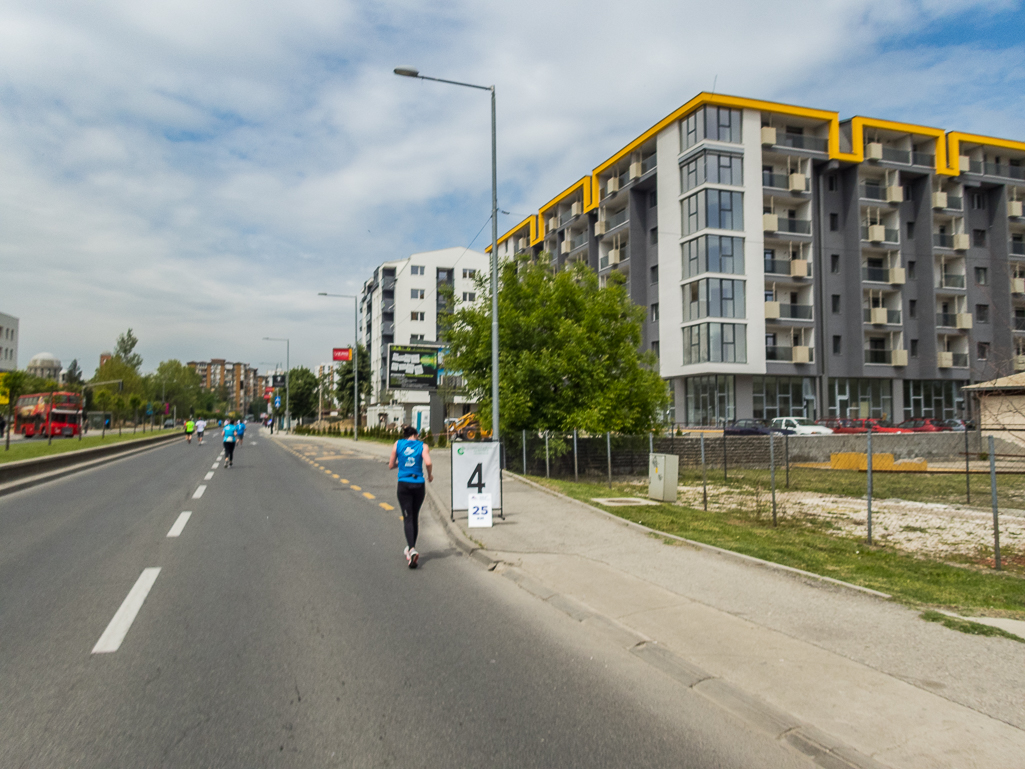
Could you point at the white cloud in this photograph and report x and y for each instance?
(200, 171)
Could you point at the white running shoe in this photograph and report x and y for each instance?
(412, 556)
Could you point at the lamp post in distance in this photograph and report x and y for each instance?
(288, 367)
(413, 72)
(355, 359)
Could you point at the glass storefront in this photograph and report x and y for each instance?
(861, 398)
(784, 396)
(711, 400)
(933, 398)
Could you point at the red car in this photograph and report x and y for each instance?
(923, 425)
(857, 426)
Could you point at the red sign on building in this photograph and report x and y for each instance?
(342, 353)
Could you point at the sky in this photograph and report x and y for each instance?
(199, 171)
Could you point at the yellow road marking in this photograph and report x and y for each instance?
(335, 476)
(386, 506)
(357, 488)
(343, 480)
(329, 473)
(368, 495)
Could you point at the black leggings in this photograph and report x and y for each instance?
(411, 497)
(229, 452)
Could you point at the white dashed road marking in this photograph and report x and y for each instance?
(208, 476)
(214, 465)
(180, 524)
(116, 631)
(199, 491)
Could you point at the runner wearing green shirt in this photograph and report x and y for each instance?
(190, 427)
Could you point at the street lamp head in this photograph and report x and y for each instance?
(407, 71)
(322, 293)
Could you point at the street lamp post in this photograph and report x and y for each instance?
(355, 359)
(412, 72)
(288, 370)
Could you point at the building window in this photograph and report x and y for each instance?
(653, 236)
(912, 308)
(469, 273)
(654, 348)
(654, 274)
(713, 167)
(713, 298)
(715, 123)
(834, 222)
(715, 342)
(979, 238)
(834, 263)
(711, 400)
(978, 201)
(416, 337)
(713, 253)
(836, 345)
(654, 312)
(417, 269)
(469, 296)
(914, 348)
(939, 399)
(831, 183)
(836, 304)
(783, 396)
(983, 352)
(416, 293)
(982, 313)
(652, 199)
(911, 229)
(911, 270)
(416, 316)
(981, 276)
(716, 209)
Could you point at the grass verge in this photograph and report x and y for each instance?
(967, 626)
(36, 447)
(807, 544)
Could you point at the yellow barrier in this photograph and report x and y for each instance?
(855, 460)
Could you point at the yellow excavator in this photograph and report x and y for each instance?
(466, 428)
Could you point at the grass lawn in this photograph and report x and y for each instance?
(807, 544)
(37, 447)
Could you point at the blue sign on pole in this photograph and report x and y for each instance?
(277, 401)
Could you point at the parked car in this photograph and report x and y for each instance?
(858, 426)
(752, 427)
(168, 423)
(799, 426)
(923, 425)
(960, 425)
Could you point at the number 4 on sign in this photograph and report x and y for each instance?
(477, 478)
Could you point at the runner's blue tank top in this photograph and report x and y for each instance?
(229, 433)
(409, 455)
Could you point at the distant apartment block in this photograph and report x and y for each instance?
(240, 381)
(402, 302)
(793, 263)
(8, 342)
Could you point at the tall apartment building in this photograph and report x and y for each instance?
(400, 304)
(326, 374)
(793, 263)
(239, 380)
(8, 342)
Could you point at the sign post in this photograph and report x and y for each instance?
(476, 472)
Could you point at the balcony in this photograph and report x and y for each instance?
(795, 354)
(877, 233)
(801, 142)
(795, 311)
(567, 217)
(796, 226)
(1017, 248)
(955, 202)
(1019, 362)
(996, 169)
(923, 159)
(962, 320)
(1017, 285)
(875, 274)
(887, 357)
(1014, 208)
(649, 163)
(958, 241)
(1019, 323)
(881, 315)
(879, 151)
(791, 182)
(891, 194)
(795, 268)
(950, 280)
(577, 241)
(616, 219)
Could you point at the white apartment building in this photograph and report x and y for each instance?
(326, 377)
(8, 342)
(400, 304)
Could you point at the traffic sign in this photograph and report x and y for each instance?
(277, 401)
(476, 469)
(341, 353)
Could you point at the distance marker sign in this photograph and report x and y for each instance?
(476, 469)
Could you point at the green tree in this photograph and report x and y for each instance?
(135, 403)
(74, 374)
(13, 384)
(104, 399)
(117, 369)
(178, 385)
(343, 377)
(118, 405)
(302, 386)
(569, 354)
(124, 349)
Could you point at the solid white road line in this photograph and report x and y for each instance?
(208, 476)
(199, 491)
(180, 524)
(116, 631)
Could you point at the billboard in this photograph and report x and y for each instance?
(278, 380)
(341, 353)
(412, 367)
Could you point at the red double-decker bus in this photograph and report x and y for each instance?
(46, 414)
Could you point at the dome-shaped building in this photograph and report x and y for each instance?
(44, 365)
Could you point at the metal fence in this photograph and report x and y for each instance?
(951, 494)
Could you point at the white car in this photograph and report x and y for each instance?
(799, 426)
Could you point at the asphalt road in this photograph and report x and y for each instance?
(283, 629)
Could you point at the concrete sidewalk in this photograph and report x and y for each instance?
(834, 666)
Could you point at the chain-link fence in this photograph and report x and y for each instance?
(936, 494)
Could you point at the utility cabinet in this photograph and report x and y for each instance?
(663, 476)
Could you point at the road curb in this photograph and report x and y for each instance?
(710, 548)
(54, 475)
(455, 534)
